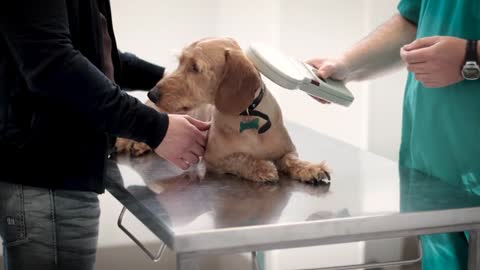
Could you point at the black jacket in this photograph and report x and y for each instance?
(57, 109)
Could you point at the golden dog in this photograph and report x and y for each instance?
(216, 82)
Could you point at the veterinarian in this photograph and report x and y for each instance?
(437, 40)
(61, 76)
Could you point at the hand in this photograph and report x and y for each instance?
(184, 142)
(435, 61)
(328, 68)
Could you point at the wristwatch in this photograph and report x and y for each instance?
(471, 70)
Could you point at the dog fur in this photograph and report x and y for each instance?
(215, 82)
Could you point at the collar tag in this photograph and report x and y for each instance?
(252, 124)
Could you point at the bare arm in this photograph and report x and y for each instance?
(380, 51)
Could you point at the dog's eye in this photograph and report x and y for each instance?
(195, 68)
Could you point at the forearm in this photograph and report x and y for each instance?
(380, 51)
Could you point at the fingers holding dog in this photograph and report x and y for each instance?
(202, 131)
(190, 158)
(202, 126)
(198, 150)
(183, 143)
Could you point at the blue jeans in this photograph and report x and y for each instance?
(48, 229)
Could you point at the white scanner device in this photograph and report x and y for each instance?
(293, 74)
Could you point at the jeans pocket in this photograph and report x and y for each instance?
(12, 214)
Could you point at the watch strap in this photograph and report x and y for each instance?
(471, 51)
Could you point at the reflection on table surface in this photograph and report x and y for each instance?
(362, 184)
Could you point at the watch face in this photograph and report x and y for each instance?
(471, 72)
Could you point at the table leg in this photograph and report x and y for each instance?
(474, 251)
(186, 262)
(255, 265)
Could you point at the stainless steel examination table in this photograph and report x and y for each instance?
(369, 198)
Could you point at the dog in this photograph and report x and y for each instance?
(216, 82)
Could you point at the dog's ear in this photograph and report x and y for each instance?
(238, 85)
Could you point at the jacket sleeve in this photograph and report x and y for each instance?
(138, 74)
(38, 37)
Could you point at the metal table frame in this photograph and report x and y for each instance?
(189, 245)
(187, 260)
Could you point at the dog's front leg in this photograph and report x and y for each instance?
(245, 166)
(301, 170)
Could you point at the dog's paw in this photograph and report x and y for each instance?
(123, 145)
(139, 149)
(264, 171)
(132, 147)
(312, 173)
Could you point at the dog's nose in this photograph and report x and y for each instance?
(154, 95)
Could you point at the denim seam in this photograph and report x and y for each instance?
(20, 220)
(54, 227)
(23, 225)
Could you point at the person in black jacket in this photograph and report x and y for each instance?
(61, 103)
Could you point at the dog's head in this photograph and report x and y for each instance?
(210, 71)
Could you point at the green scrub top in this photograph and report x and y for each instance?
(441, 126)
